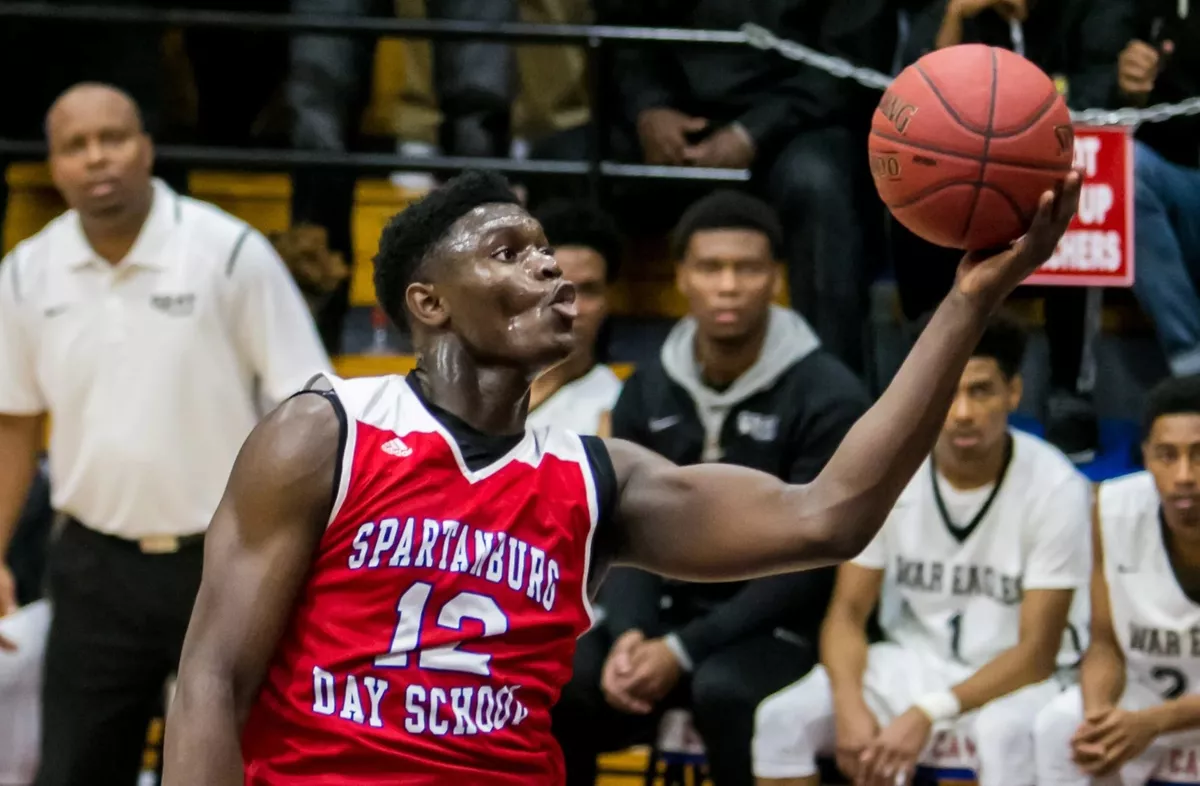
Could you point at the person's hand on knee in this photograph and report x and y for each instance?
(1111, 737)
(891, 758)
(616, 676)
(855, 728)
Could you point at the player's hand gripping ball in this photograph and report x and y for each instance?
(965, 142)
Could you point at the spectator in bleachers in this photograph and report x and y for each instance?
(1074, 41)
(1162, 64)
(579, 393)
(1134, 718)
(146, 325)
(974, 574)
(329, 87)
(739, 381)
(799, 130)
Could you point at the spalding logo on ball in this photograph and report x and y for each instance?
(965, 142)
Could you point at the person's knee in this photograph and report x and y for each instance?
(790, 728)
(1003, 733)
(1057, 722)
(718, 694)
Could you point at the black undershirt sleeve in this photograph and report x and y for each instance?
(343, 434)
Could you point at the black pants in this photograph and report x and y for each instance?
(820, 186)
(722, 695)
(118, 626)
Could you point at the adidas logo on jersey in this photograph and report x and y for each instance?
(396, 447)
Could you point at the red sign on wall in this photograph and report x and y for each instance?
(1097, 249)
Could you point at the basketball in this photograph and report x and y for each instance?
(964, 143)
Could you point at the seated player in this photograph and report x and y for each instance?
(1139, 694)
(740, 381)
(579, 393)
(396, 576)
(974, 572)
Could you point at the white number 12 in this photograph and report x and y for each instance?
(464, 605)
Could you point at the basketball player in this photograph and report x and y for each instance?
(398, 572)
(974, 572)
(1139, 693)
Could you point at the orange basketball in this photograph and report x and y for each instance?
(964, 143)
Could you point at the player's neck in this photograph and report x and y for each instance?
(722, 361)
(490, 399)
(554, 379)
(112, 237)
(1184, 548)
(966, 473)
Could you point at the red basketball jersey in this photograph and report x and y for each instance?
(439, 619)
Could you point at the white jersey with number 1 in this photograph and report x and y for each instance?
(1157, 625)
(952, 591)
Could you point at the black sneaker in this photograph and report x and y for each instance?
(1071, 426)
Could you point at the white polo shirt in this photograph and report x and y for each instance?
(152, 369)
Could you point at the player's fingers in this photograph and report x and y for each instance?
(7, 644)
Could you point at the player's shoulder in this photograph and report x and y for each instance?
(603, 381)
(1128, 493)
(1041, 465)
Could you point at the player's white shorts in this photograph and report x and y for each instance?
(1171, 758)
(794, 726)
(20, 692)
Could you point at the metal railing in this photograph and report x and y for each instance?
(594, 38)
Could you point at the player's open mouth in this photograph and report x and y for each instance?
(562, 302)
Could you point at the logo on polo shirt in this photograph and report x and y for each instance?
(174, 305)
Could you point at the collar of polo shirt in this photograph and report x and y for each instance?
(150, 249)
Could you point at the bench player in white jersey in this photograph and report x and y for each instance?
(1136, 713)
(975, 572)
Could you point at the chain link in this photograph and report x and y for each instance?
(761, 38)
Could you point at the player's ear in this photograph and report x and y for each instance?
(1016, 388)
(426, 305)
(777, 286)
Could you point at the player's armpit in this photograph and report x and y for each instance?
(1043, 622)
(1102, 673)
(256, 555)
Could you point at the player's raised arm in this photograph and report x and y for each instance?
(719, 522)
(256, 556)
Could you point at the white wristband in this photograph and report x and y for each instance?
(941, 706)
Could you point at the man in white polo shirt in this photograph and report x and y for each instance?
(149, 327)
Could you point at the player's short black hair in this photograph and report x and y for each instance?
(413, 233)
(728, 209)
(1003, 341)
(578, 222)
(1172, 396)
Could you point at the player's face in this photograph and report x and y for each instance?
(978, 418)
(586, 269)
(1172, 455)
(729, 278)
(500, 290)
(100, 159)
